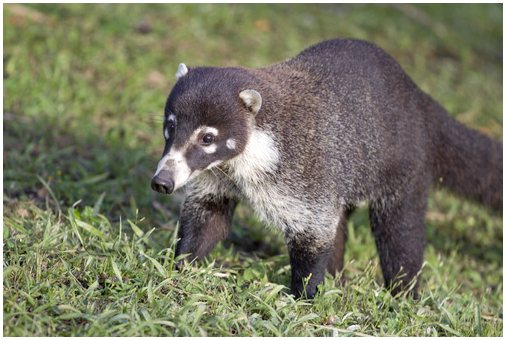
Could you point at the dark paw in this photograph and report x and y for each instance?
(405, 292)
(178, 265)
(186, 260)
(400, 288)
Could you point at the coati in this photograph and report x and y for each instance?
(303, 142)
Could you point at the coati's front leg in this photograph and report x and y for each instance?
(309, 255)
(204, 221)
(398, 228)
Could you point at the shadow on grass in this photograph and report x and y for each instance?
(78, 165)
(446, 238)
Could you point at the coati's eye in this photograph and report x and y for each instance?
(171, 124)
(207, 139)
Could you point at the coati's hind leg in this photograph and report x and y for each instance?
(398, 228)
(204, 221)
(336, 259)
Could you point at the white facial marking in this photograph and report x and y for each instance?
(198, 131)
(231, 143)
(166, 133)
(161, 164)
(209, 129)
(177, 165)
(210, 148)
(260, 156)
(171, 117)
(182, 70)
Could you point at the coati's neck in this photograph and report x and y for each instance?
(258, 160)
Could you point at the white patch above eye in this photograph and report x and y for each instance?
(209, 129)
(182, 70)
(171, 117)
(231, 143)
(202, 130)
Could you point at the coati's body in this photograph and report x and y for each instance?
(306, 140)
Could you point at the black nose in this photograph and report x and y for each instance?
(162, 185)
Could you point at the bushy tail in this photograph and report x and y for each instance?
(467, 162)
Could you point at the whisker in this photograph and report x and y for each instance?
(223, 172)
(214, 173)
(152, 120)
(153, 117)
(156, 113)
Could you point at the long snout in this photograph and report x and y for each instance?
(171, 173)
(163, 182)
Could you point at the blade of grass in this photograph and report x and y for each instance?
(51, 193)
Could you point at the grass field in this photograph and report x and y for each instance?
(88, 248)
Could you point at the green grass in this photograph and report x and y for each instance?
(89, 249)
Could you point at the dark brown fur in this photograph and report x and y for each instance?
(350, 126)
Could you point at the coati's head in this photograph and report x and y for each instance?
(207, 120)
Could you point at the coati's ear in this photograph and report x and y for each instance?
(182, 70)
(252, 99)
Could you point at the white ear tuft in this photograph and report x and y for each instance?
(252, 99)
(182, 70)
